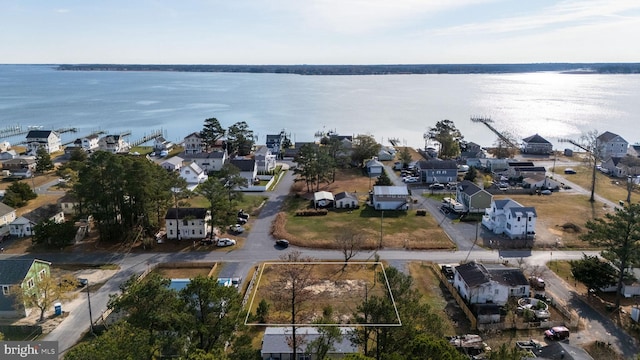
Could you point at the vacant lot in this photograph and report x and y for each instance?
(610, 188)
(330, 286)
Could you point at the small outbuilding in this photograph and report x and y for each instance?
(323, 199)
(346, 200)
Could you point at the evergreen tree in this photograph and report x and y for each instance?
(405, 157)
(240, 139)
(43, 160)
(18, 194)
(211, 133)
(471, 174)
(383, 179)
(364, 147)
(449, 137)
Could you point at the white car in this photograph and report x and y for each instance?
(225, 242)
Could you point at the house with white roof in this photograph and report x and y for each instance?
(374, 167)
(172, 163)
(208, 161)
(47, 139)
(508, 217)
(390, 197)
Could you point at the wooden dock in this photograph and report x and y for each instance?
(487, 121)
(155, 134)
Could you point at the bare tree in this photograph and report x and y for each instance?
(350, 242)
(590, 144)
(291, 291)
(45, 291)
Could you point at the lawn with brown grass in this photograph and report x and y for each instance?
(333, 285)
(433, 293)
(561, 217)
(612, 189)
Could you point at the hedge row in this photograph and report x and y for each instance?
(312, 212)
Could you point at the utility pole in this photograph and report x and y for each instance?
(90, 316)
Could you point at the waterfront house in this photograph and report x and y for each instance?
(193, 175)
(193, 143)
(536, 144)
(88, 143)
(611, 145)
(346, 200)
(390, 197)
(508, 217)
(472, 197)
(7, 216)
(265, 159)
(472, 155)
(479, 285)
(374, 167)
(248, 169)
(23, 225)
(114, 144)
(172, 164)
(438, 171)
(276, 343)
(22, 273)
(208, 161)
(187, 223)
(47, 139)
(161, 144)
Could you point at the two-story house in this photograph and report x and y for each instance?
(24, 274)
(479, 285)
(114, 144)
(536, 144)
(472, 197)
(161, 144)
(208, 161)
(193, 175)
(248, 169)
(390, 197)
(188, 223)
(47, 139)
(508, 217)
(193, 143)
(611, 145)
(438, 171)
(265, 159)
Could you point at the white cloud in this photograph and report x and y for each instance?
(62, 11)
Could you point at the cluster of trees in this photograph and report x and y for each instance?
(18, 194)
(220, 190)
(239, 139)
(197, 322)
(318, 164)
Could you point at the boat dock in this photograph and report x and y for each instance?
(154, 135)
(487, 121)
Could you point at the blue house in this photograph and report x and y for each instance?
(438, 171)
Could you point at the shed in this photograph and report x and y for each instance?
(346, 200)
(323, 199)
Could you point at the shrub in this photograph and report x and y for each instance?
(312, 212)
(421, 212)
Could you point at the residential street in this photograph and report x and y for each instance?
(259, 246)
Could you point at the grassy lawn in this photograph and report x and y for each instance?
(556, 212)
(398, 229)
(249, 202)
(432, 293)
(613, 189)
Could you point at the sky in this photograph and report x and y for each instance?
(318, 31)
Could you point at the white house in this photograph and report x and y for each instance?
(193, 175)
(265, 159)
(48, 139)
(7, 216)
(23, 225)
(113, 144)
(510, 218)
(208, 161)
(187, 223)
(172, 163)
(161, 144)
(88, 143)
(390, 198)
(611, 145)
(374, 168)
(346, 200)
(4, 146)
(193, 143)
(248, 169)
(479, 285)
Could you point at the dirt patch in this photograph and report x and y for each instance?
(183, 273)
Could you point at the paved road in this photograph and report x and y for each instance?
(259, 247)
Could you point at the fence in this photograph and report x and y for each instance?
(456, 296)
(250, 287)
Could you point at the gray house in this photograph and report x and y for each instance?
(346, 200)
(374, 168)
(536, 144)
(275, 343)
(438, 171)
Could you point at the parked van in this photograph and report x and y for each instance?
(557, 333)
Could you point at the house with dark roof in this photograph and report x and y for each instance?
(23, 273)
(472, 197)
(293, 152)
(346, 200)
(19, 164)
(68, 204)
(438, 171)
(161, 144)
(23, 225)
(479, 285)
(7, 216)
(276, 340)
(536, 144)
(248, 169)
(506, 216)
(472, 155)
(47, 139)
(187, 223)
(560, 350)
(193, 143)
(611, 145)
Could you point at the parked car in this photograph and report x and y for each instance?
(436, 186)
(242, 221)
(236, 281)
(545, 192)
(569, 171)
(225, 242)
(557, 333)
(447, 270)
(236, 229)
(282, 243)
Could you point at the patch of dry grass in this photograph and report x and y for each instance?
(432, 293)
(613, 189)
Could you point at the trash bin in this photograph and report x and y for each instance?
(58, 308)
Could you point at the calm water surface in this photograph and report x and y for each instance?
(391, 106)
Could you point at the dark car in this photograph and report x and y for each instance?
(207, 241)
(282, 243)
